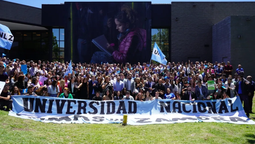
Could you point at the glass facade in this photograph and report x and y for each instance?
(30, 45)
(161, 37)
(58, 44)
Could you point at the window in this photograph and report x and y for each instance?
(30, 45)
(161, 37)
(58, 44)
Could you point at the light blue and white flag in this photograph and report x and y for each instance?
(157, 55)
(69, 69)
(6, 37)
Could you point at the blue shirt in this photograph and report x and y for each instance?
(118, 86)
(239, 71)
(218, 70)
(200, 89)
(169, 96)
(239, 88)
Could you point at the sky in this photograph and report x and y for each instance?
(38, 3)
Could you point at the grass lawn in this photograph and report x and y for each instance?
(16, 130)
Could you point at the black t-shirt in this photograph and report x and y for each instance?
(97, 98)
(118, 98)
(3, 77)
(5, 94)
(159, 87)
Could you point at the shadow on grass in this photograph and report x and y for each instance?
(250, 138)
(252, 118)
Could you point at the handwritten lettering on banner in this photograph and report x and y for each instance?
(6, 36)
(48, 109)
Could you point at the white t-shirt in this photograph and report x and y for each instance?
(51, 91)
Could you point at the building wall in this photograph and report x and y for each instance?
(20, 13)
(191, 26)
(221, 41)
(161, 16)
(54, 15)
(243, 43)
(161, 19)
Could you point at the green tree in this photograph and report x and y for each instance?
(162, 40)
(55, 47)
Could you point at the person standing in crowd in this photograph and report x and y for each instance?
(129, 83)
(53, 89)
(66, 94)
(14, 78)
(201, 91)
(42, 91)
(61, 86)
(35, 83)
(99, 84)
(30, 91)
(242, 88)
(33, 69)
(15, 68)
(251, 88)
(167, 85)
(84, 89)
(189, 94)
(173, 87)
(220, 91)
(228, 69)
(225, 95)
(178, 85)
(240, 70)
(93, 85)
(235, 79)
(108, 95)
(169, 94)
(148, 96)
(77, 82)
(21, 84)
(117, 95)
(138, 85)
(5, 99)
(72, 87)
(43, 71)
(210, 79)
(148, 86)
(118, 85)
(210, 70)
(230, 88)
(128, 96)
(218, 71)
(97, 97)
(139, 97)
(15, 91)
(192, 84)
(156, 97)
(224, 78)
(160, 88)
(3, 75)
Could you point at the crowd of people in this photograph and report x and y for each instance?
(141, 82)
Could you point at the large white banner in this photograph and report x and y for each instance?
(57, 110)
